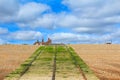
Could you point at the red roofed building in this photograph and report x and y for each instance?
(48, 42)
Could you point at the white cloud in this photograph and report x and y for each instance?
(45, 21)
(110, 8)
(30, 11)
(8, 8)
(67, 20)
(71, 20)
(13, 11)
(25, 35)
(113, 19)
(86, 25)
(94, 8)
(85, 38)
(79, 4)
(3, 30)
(2, 41)
(87, 20)
(70, 37)
(92, 16)
(96, 30)
(115, 35)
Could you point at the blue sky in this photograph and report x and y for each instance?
(66, 21)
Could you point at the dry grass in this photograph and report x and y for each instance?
(11, 56)
(104, 60)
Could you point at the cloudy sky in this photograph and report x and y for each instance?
(66, 21)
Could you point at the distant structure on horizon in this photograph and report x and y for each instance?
(109, 42)
(49, 41)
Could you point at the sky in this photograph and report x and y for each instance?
(64, 21)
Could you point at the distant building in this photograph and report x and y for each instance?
(49, 41)
(109, 42)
